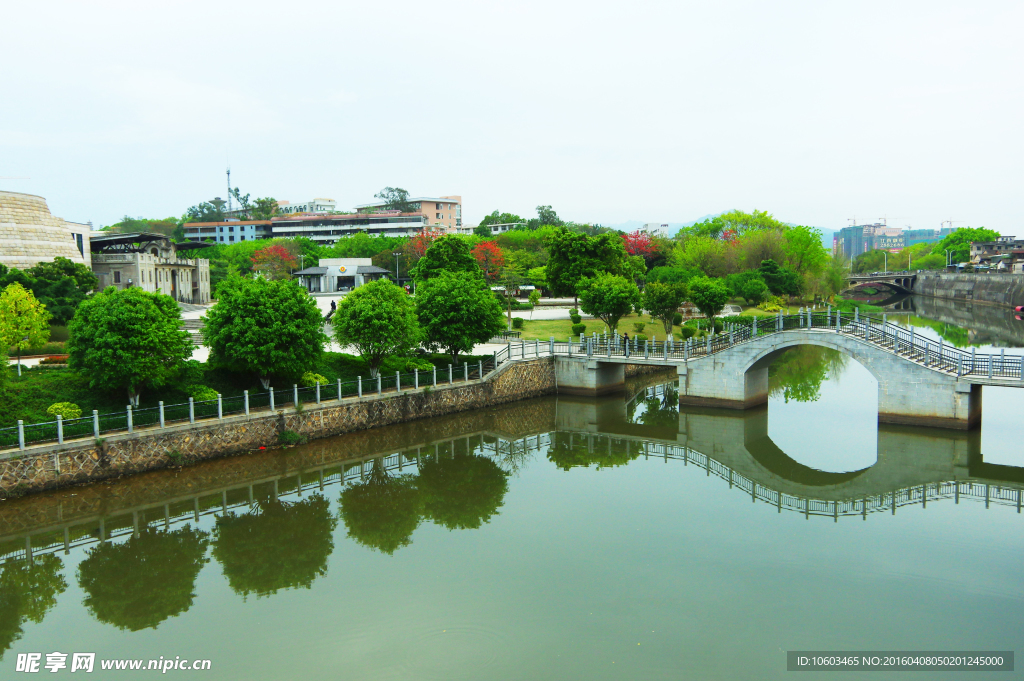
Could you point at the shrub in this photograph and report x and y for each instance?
(309, 379)
(577, 329)
(517, 322)
(67, 410)
(639, 337)
(677, 319)
(686, 332)
(771, 304)
(54, 359)
(638, 327)
(201, 393)
(576, 319)
(404, 364)
(290, 437)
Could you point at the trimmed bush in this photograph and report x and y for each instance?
(54, 359)
(517, 322)
(309, 379)
(576, 319)
(677, 319)
(67, 410)
(638, 327)
(201, 393)
(404, 364)
(577, 329)
(639, 337)
(687, 332)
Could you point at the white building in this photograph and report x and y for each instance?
(338, 275)
(313, 206)
(656, 229)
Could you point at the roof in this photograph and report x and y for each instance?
(435, 199)
(118, 238)
(227, 222)
(312, 271)
(371, 269)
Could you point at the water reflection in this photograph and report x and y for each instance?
(28, 590)
(571, 450)
(462, 492)
(275, 545)
(382, 511)
(797, 374)
(139, 583)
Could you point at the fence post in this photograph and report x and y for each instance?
(495, 354)
(359, 386)
(245, 396)
(318, 392)
(647, 350)
(434, 372)
(96, 423)
(272, 399)
(989, 365)
(1022, 368)
(856, 315)
(451, 380)
(398, 382)
(465, 371)
(509, 353)
(131, 428)
(220, 407)
(416, 378)
(481, 368)
(162, 414)
(551, 344)
(21, 434)
(339, 388)
(295, 394)
(60, 429)
(379, 390)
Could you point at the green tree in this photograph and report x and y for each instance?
(140, 583)
(482, 231)
(128, 340)
(959, 242)
(383, 511)
(735, 222)
(780, 280)
(457, 310)
(61, 285)
(608, 297)
(462, 492)
(28, 590)
(263, 209)
(276, 545)
(395, 198)
(805, 254)
(379, 320)
(704, 253)
(449, 253)
(836, 275)
(24, 321)
(208, 211)
(497, 218)
(264, 327)
(755, 291)
(662, 301)
(547, 216)
(709, 295)
(575, 256)
(538, 276)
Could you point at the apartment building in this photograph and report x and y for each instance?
(443, 211)
(229, 231)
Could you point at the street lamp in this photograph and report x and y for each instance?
(396, 265)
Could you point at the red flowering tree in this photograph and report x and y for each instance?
(490, 258)
(419, 244)
(274, 261)
(639, 243)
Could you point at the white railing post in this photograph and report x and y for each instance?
(551, 345)
(131, 428)
(295, 394)
(161, 414)
(416, 378)
(318, 392)
(481, 368)
(21, 434)
(220, 407)
(96, 423)
(434, 372)
(60, 429)
(379, 389)
(245, 399)
(398, 382)
(192, 410)
(451, 378)
(360, 387)
(272, 406)
(465, 371)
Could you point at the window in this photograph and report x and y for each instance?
(117, 276)
(231, 238)
(232, 230)
(242, 238)
(438, 216)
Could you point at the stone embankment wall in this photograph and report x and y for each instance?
(987, 289)
(50, 466)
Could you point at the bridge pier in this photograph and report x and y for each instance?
(589, 377)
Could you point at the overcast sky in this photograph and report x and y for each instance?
(817, 112)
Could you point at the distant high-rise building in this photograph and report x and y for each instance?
(858, 239)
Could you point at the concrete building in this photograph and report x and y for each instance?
(857, 239)
(445, 211)
(312, 206)
(338, 275)
(229, 231)
(152, 262)
(29, 234)
(656, 229)
(326, 229)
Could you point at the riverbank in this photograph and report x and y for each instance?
(1006, 290)
(49, 466)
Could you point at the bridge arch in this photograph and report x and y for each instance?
(908, 393)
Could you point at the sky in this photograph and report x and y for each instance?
(818, 112)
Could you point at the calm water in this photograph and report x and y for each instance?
(558, 538)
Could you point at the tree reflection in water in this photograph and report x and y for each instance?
(462, 492)
(573, 450)
(657, 409)
(797, 374)
(28, 589)
(140, 583)
(382, 511)
(276, 545)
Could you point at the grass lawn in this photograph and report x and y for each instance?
(561, 329)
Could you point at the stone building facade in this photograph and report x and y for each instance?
(29, 234)
(153, 263)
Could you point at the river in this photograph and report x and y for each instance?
(555, 538)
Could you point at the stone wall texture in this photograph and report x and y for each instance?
(988, 289)
(29, 234)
